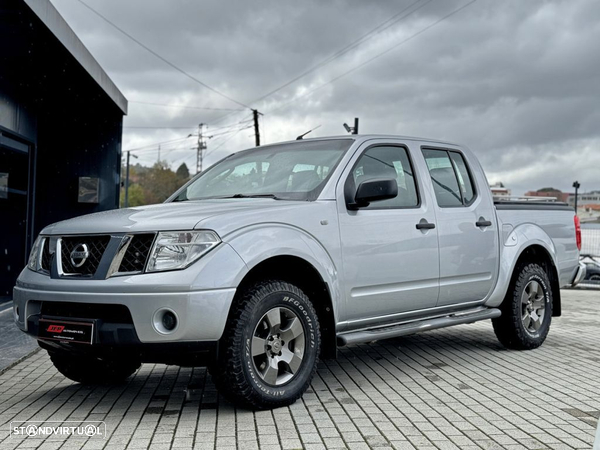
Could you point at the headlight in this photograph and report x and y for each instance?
(178, 249)
(35, 257)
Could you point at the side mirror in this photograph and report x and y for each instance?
(373, 191)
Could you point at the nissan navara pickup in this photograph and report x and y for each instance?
(276, 256)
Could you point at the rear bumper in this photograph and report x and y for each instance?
(580, 274)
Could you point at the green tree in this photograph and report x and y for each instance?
(159, 183)
(136, 195)
(183, 173)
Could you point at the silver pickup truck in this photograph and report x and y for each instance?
(276, 256)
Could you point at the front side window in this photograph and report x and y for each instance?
(388, 163)
(450, 176)
(296, 171)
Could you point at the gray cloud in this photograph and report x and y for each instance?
(515, 81)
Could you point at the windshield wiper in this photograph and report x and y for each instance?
(219, 197)
(273, 196)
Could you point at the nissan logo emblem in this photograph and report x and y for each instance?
(79, 255)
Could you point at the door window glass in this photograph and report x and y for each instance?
(450, 176)
(464, 179)
(445, 184)
(388, 162)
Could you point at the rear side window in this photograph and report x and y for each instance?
(450, 176)
(464, 179)
(388, 162)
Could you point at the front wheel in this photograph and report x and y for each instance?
(526, 310)
(270, 346)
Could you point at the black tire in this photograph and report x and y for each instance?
(92, 370)
(510, 327)
(238, 374)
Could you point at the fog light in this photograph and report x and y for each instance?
(165, 321)
(169, 321)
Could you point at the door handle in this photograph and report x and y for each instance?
(424, 225)
(482, 223)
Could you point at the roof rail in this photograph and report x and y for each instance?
(523, 198)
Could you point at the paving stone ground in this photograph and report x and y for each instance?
(13, 343)
(456, 388)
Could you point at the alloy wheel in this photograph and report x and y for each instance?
(278, 345)
(533, 306)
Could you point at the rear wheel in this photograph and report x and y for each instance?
(270, 347)
(526, 310)
(87, 370)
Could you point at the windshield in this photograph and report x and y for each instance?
(296, 171)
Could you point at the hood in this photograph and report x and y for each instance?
(169, 216)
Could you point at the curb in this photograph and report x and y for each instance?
(21, 359)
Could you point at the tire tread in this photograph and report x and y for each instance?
(228, 375)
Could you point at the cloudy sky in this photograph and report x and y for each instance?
(516, 81)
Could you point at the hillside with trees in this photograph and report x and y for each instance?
(150, 185)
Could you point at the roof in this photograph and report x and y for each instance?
(50, 17)
(366, 137)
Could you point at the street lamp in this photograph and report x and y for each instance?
(127, 179)
(576, 185)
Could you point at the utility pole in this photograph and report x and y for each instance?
(158, 152)
(127, 180)
(255, 114)
(576, 185)
(200, 148)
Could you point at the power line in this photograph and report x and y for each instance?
(168, 127)
(157, 144)
(368, 61)
(166, 61)
(378, 29)
(228, 132)
(222, 143)
(203, 108)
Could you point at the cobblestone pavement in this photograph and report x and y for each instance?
(449, 389)
(13, 343)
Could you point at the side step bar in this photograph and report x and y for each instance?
(375, 334)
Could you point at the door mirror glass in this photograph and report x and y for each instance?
(373, 191)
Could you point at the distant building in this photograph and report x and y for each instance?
(499, 190)
(591, 198)
(61, 123)
(549, 192)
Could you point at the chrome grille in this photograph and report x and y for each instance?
(137, 253)
(95, 246)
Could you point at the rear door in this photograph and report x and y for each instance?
(466, 224)
(389, 265)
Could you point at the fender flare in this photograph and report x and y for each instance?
(518, 241)
(260, 242)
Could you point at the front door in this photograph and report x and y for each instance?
(466, 223)
(390, 266)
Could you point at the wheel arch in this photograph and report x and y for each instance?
(530, 242)
(306, 277)
(538, 254)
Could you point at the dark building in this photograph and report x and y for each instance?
(60, 130)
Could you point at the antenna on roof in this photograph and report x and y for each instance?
(299, 138)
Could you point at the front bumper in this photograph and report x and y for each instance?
(201, 315)
(199, 296)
